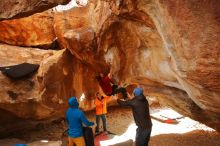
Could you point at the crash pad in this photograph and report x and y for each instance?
(20, 70)
(101, 137)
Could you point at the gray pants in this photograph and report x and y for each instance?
(103, 117)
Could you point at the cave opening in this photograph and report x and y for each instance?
(163, 46)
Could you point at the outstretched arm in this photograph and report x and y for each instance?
(85, 121)
(124, 102)
(110, 74)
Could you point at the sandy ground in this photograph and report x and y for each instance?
(186, 133)
(120, 121)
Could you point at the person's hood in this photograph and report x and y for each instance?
(73, 102)
(138, 94)
(138, 91)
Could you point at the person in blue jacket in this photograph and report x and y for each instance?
(75, 118)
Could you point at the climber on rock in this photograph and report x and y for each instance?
(107, 86)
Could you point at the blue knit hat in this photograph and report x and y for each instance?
(138, 91)
(73, 102)
(19, 145)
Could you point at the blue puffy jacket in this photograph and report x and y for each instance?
(75, 118)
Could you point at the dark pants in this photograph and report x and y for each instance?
(103, 117)
(142, 137)
(122, 90)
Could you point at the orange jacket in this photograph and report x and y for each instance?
(101, 105)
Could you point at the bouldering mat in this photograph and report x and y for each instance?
(20, 70)
(101, 137)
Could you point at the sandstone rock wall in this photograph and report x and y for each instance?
(193, 46)
(169, 47)
(21, 8)
(169, 43)
(44, 95)
(20, 96)
(35, 30)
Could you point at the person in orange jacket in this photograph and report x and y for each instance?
(101, 111)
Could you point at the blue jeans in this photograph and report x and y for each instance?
(103, 117)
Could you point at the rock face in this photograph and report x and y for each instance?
(25, 91)
(29, 31)
(48, 90)
(21, 8)
(193, 48)
(44, 95)
(163, 45)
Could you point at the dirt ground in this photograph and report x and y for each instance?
(120, 121)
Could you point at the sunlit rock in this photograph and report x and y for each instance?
(22, 8)
(35, 30)
(169, 47)
(26, 93)
(166, 47)
(44, 94)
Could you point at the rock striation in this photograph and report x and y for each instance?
(22, 8)
(165, 46)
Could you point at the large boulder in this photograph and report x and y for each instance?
(22, 8)
(192, 45)
(44, 95)
(35, 30)
(170, 50)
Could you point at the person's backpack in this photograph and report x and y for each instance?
(20, 70)
(88, 136)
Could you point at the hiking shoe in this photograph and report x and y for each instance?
(97, 133)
